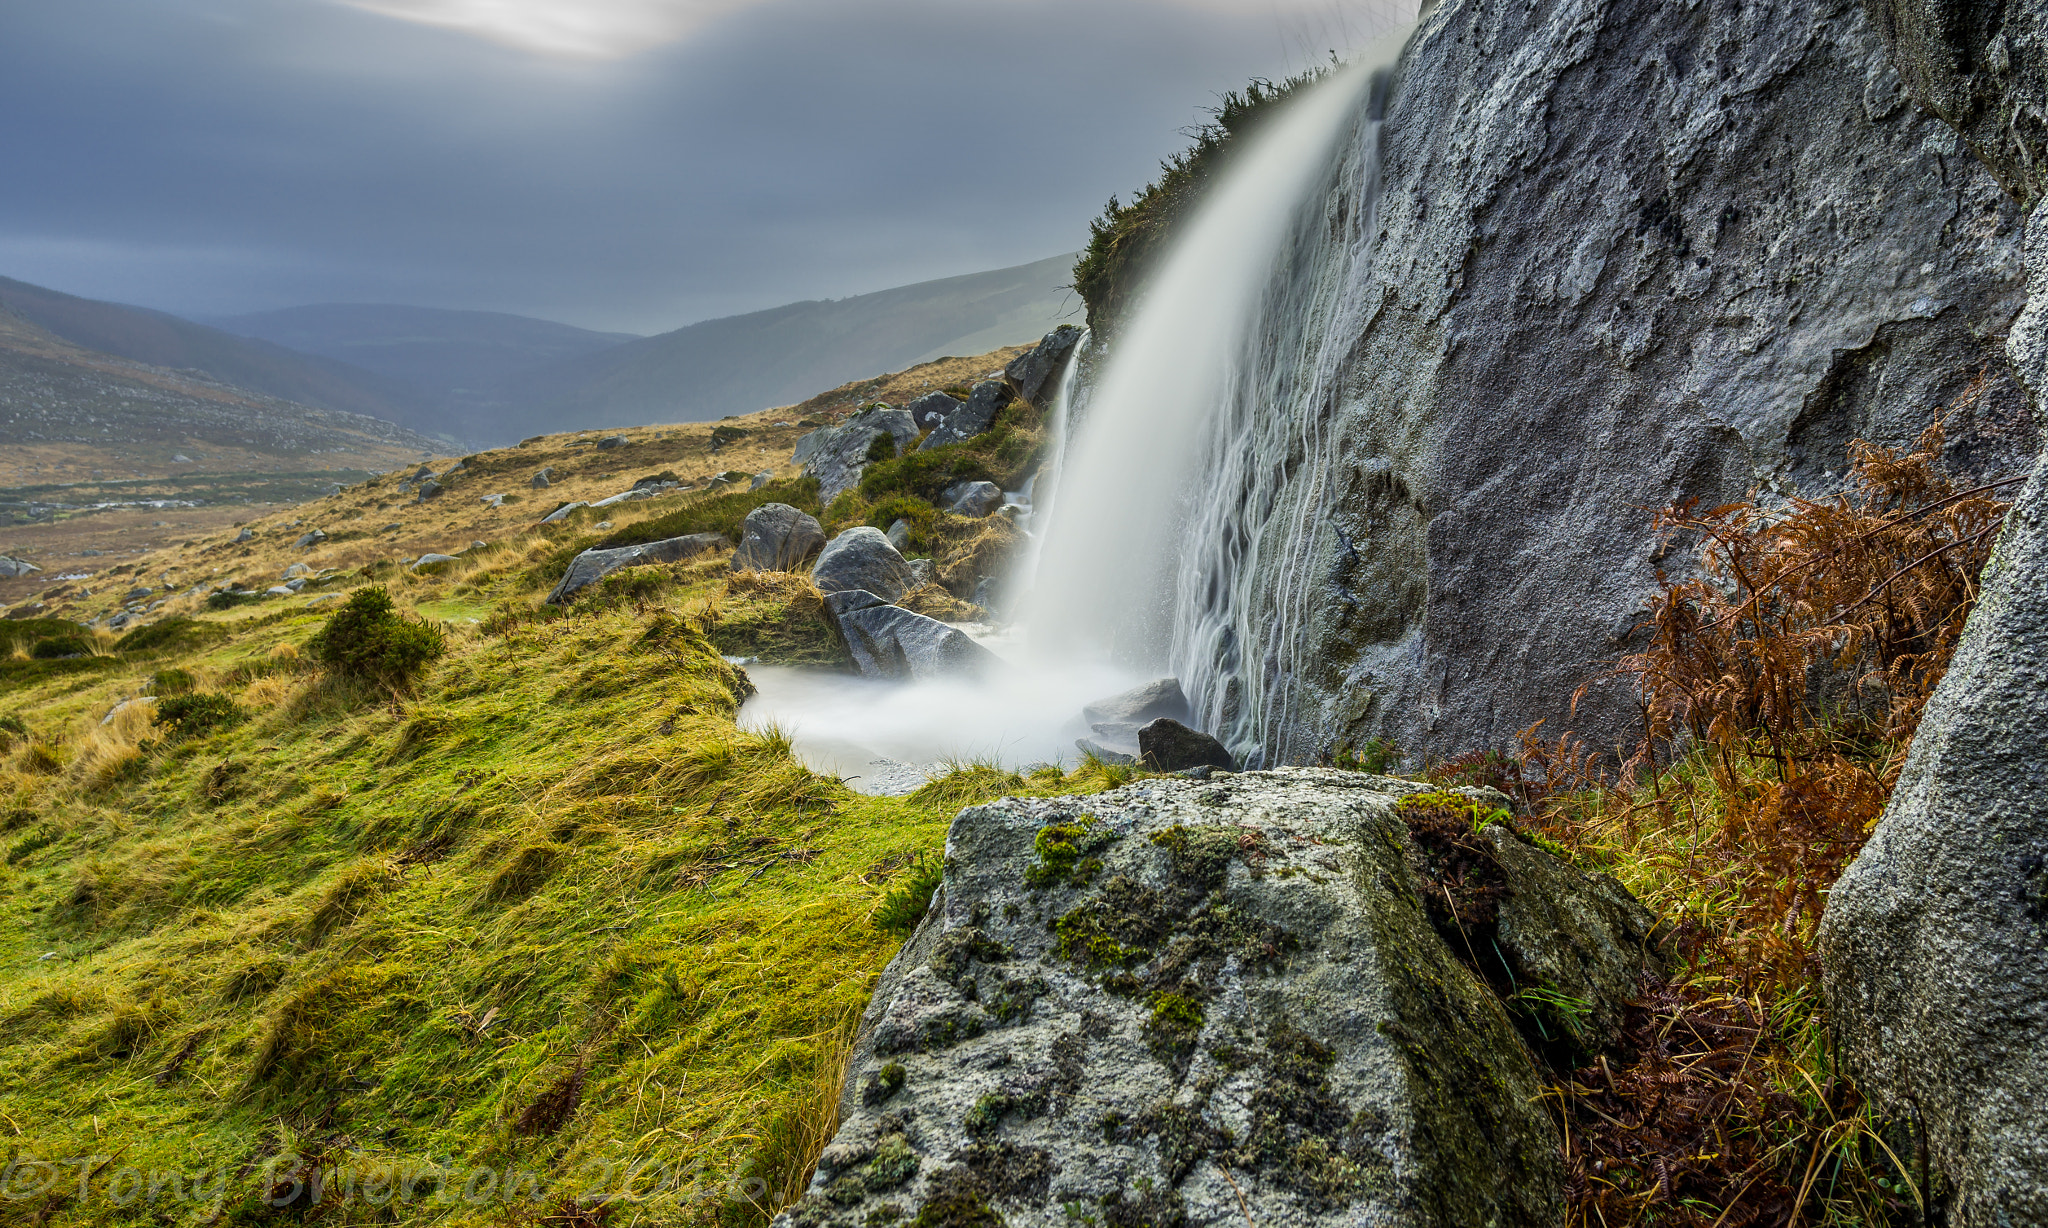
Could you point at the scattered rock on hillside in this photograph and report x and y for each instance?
(1166, 745)
(591, 566)
(428, 559)
(862, 558)
(1182, 1002)
(1037, 370)
(543, 478)
(493, 502)
(761, 479)
(931, 409)
(295, 570)
(899, 534)
(975, 499)
(244, 536)
(634, 495)
(13, 568)
(562, 513)
(888, 641)
(777, 537)
(836, 455)
(972, 418)
(613, 441)
(309, 539)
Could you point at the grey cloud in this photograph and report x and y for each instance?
(800, 149)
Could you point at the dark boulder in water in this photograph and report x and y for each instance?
(1166, 745)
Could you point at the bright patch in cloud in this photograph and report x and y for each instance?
(578, 29)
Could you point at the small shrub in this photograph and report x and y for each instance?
(191, 715)
(57, 647)
(176, 633)
(167, 682)
(225, 600)
(12, 729)
(368, 640)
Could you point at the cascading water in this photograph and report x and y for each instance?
(1186, 534)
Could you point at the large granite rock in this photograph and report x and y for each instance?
(1217, 1003)
(591, 566)
(974, 416)
(777, 537)
(1037, 370)
(836, 455)
(888, 641)
(863, 558)
(1933, 943)
(1619, 254)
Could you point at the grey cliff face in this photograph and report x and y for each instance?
(1221, 999)
(1935, 941)
(1621, 255)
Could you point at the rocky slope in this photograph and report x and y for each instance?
(1620, 255)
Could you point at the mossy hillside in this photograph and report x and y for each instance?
(550, 912)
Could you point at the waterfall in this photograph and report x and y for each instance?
(1193, 505)
(1045, 483)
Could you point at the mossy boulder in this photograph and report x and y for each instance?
(1241, 1010)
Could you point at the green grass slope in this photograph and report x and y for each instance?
(545, 934)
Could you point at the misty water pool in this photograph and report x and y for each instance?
(885, 736)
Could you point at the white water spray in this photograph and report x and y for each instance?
(1185, 536)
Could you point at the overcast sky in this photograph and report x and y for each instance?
(620, 164)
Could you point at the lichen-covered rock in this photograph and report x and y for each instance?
(1200, 1002)
(591, 566)
(837, 455)
(862, 558)
(973, 417)
(777, 537)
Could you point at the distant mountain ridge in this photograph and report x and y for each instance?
(68, 413)
(465, 363)
(480, 378)
(163, 340)
(743, 363)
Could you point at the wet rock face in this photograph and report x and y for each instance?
(1627, 253)
(1189, 1002)
(1036, 372)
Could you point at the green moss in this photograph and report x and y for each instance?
(1066, 853)
(956, 1198)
